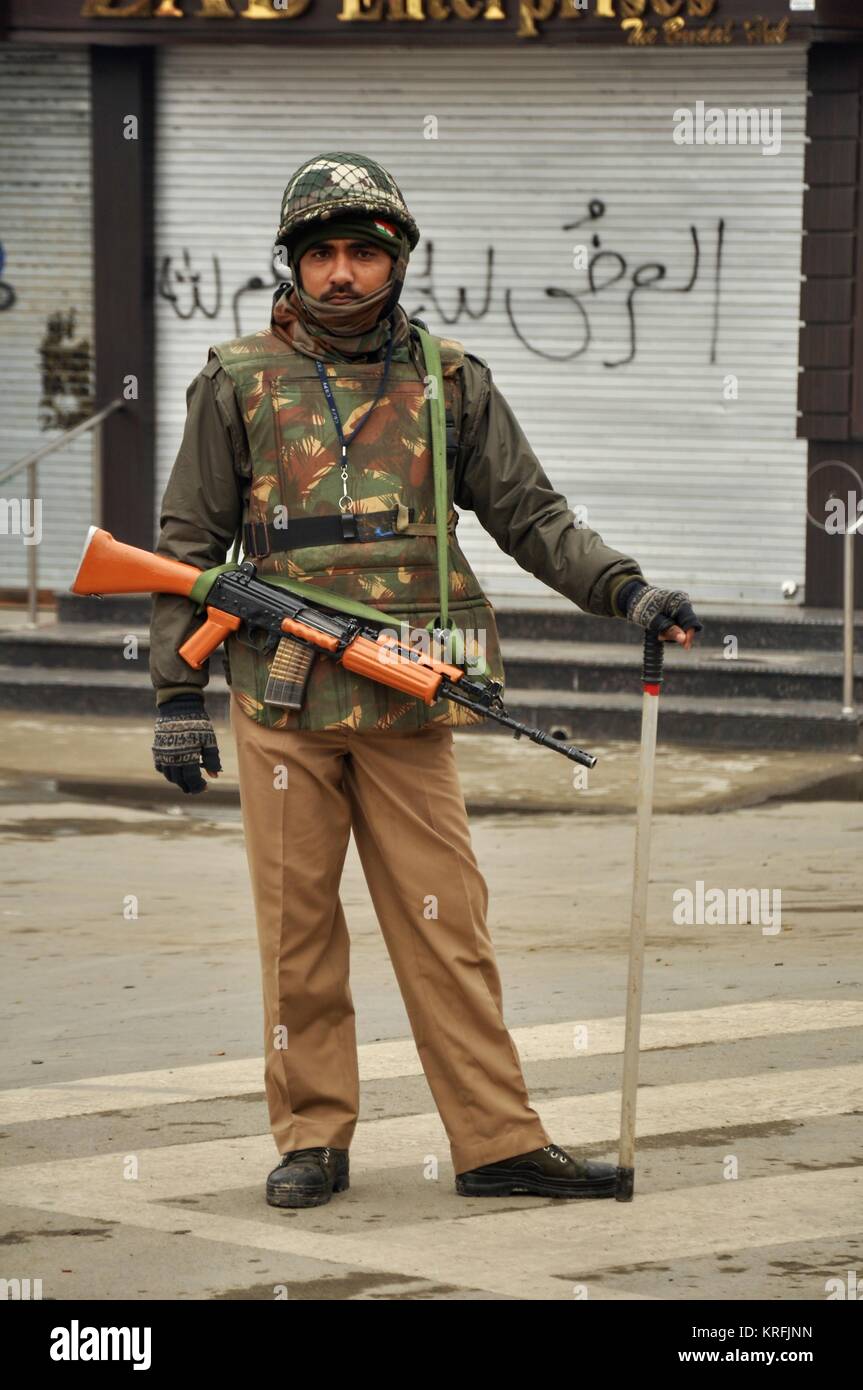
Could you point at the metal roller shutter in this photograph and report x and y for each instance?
(46, 303)
(708, 492)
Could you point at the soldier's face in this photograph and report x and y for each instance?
(342, 270)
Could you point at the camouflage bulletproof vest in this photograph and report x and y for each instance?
(296, 459)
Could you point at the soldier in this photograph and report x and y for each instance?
(311, 438)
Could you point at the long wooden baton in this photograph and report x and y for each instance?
(651, 681)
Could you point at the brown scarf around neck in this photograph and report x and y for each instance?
(334, 332)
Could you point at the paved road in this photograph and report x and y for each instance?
(135, 1140)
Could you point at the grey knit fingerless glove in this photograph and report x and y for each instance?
(184, 741)
(656, 610)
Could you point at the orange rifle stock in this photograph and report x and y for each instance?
(112, 567)
(109, 566)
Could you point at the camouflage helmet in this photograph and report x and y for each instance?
(331, 185)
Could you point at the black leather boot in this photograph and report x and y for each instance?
(308, 1177)
(547, 1172)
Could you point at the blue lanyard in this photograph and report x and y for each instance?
(345, 502)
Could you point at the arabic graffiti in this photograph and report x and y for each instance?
(181, 285)
(7, 294)
(604, 269)
(251, 287)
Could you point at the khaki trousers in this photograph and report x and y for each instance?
(301, 793)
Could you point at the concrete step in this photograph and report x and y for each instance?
(530, 664)
(602, 667)
(114, 609)
(83, 646)
(69, 690)
(756, 629)
(577, 717)
(690, 719)
(767, 628)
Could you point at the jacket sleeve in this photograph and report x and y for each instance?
(201, 513)
(499, 477)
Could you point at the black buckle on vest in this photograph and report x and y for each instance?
(256, 539)
(451, 440)
(260, 539)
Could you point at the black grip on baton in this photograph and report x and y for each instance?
(651, 671)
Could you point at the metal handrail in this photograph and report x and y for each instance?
(848, 619)
(39, 454)
(31, 462)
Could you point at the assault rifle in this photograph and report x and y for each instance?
(301, 625)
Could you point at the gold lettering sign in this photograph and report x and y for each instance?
(664, 9)
(165, 9)
(637, 32)
(641, 21)
(263, 9)
(529, 11)
(353, 10)
(215, 9)
(207, 9)
(105, 9)
(674, 31)
(761, 30)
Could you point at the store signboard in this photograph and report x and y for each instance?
(677, 24)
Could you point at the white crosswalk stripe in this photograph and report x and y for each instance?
(386, 1060)
(405, 1140)
(657, 1227)
(560, 1244)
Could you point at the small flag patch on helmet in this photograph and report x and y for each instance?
(385, 226)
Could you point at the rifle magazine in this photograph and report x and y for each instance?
(289, 673)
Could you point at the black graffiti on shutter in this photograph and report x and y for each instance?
(7, 294)
(605, 269)
(179, 284)
(251, 286)
(66, 368)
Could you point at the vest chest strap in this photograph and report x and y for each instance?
(261, 539)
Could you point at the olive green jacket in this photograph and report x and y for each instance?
(498, 477)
